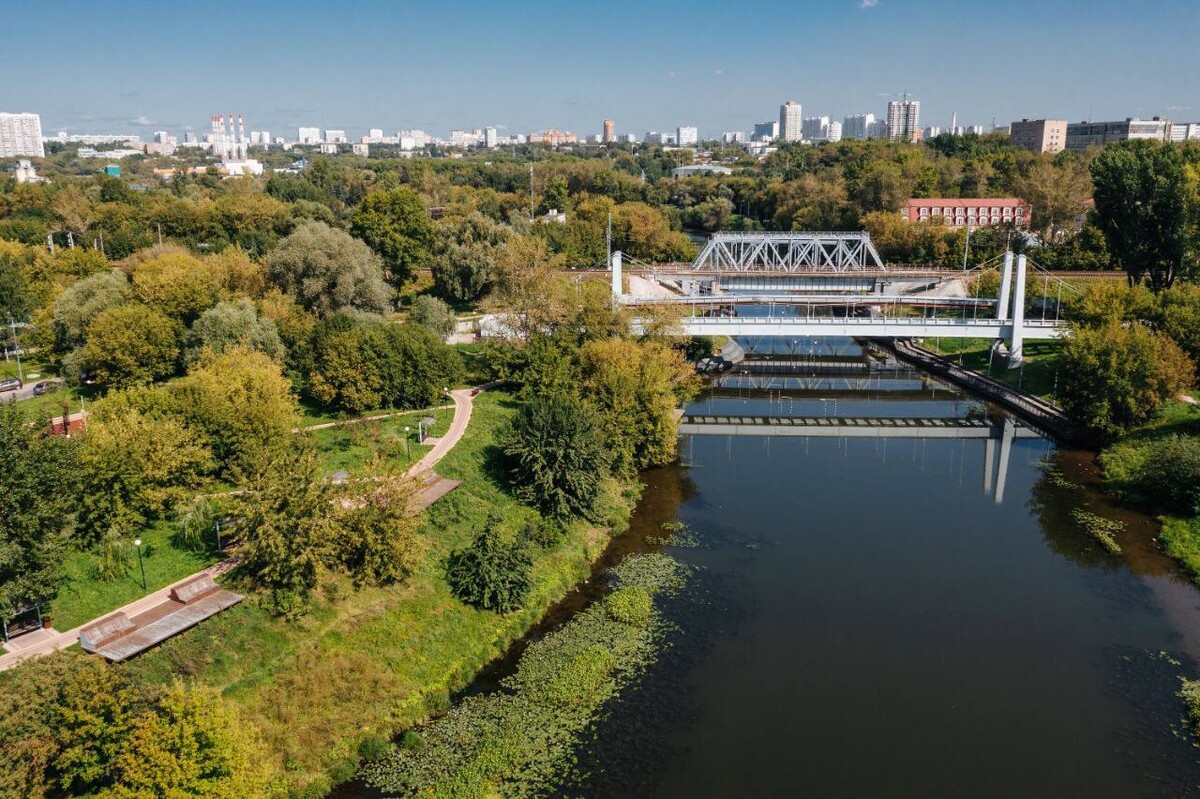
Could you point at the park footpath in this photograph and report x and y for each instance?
(434, 487)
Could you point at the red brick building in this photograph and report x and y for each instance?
(973, 212)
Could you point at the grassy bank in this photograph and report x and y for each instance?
(366, 664)
(1038, 376)
(1123, 460)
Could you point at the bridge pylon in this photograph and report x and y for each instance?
(617, 286)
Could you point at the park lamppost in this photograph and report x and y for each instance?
(137, 542)
(407, 446)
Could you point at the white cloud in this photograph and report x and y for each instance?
(718, 72)
(142, 120)
(868, 3)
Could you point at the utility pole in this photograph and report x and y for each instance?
(16, 348)
(966, 247)
(160, 234)
(608, 240)
(531, 206)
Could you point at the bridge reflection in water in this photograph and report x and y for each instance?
(848, 404)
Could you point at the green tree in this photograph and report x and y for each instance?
(1179, 317)
(557, 457)
(230, 324)
(328, 270)
(432, 314)
(193, 743)
(396, 225)
(128, 345)
(464, 256)
(1146, 210)
(178, 285)
(1117, 376)
(38, 486)
(286, 527)
(78, 306)
(491, 574)
(14, 294)
(377, 541)
(133, 467)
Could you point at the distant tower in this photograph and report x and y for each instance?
(954, 124)
(790, 121)
(904, 120)
(610, 132)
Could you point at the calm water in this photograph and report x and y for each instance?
(868, 621)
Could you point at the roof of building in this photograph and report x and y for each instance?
(699, 169)
(958, 202)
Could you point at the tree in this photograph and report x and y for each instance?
(395, 224)
(38, 485)
(241, 402)
(556, 456)
(1179, 317)
(128, 345)
(377, 541)
(193, 743)
(1117, 376)
(14, 294)
(634, 390)
(432, 314)
(327, 270)
(1058, 195)
(133, 467)
(464, 256)
(286, 526)
(491, 574)
(78, 306)
(230, 324)
(1145, 208)
(178, 285)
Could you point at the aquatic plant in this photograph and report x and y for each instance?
(1099, 528)
(514, 742)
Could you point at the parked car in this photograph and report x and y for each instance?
(12, 384)
(44, 387)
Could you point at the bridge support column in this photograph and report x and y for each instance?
(617, 287)
(1015, 355)
(1006, 439)
(1005, 287)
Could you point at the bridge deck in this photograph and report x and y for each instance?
(845, 427)
(816, 327)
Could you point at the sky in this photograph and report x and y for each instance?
(137, 67)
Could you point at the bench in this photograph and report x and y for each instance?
(196, 588)
(108, 629)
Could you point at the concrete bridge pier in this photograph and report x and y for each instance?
(617, 286)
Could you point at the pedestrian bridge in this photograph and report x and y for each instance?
(862, 327)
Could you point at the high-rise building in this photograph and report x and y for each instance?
(765, 131)
(1081, 135)
(791, 121)
(1040, 135)
(732, 137)
(857, 126)
(815, 128)
(335, 137)
(932, 132)
(610, 132)
(834, 131)
(904, 120)
(687, 136)
(308, 135)
(490, 138)
(21, 134)
(878, 129)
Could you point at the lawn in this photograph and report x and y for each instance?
(351, 446)
(366, 664)
(1038, 375)
(85, 596)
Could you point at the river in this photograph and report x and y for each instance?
(893, 616)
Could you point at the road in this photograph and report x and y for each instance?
(50, 640)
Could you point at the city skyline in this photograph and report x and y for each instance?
(490, 66)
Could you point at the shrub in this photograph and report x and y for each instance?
(1170, 474)
(491, 574)
(434, 315)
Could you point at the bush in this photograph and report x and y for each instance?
(432, 314)
(1170, 474)
(491, 574)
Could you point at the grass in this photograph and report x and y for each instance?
(1038, 376)
(85, 596)
(364, 665)
(351, 446)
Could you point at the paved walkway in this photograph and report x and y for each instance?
(52, 640)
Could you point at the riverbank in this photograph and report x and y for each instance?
(367, 664)
(1125, 462)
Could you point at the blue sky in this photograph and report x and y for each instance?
(138, 66)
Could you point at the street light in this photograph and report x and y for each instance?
(137, 542)
(407, 446)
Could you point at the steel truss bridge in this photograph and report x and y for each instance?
(789, 253)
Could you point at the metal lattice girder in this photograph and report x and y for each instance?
(789, 252)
